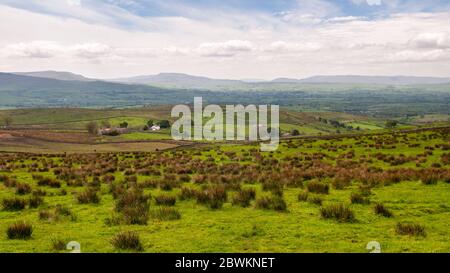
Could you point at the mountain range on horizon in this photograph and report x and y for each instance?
(181, 80)
(65, 89)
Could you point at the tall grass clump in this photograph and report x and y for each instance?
(166, 214)
(411, 229)
(58, 244)
(50, 182)
(318, 187)
(338, 212)
(380, 209)
(14, 204)
(19, 230)
(134, 206)
(88, 196)
(165, 200)
(22, 188)
(274, 202)
(213, 197)
(127, 240)
(187, 193)
(243, 197)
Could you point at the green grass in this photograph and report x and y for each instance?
(299, 230)
(147, 136)
(364, 125)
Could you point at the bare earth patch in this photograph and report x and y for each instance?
(6, 136)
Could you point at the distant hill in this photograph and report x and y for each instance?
(186, 81)
(385, 80)
(179, 80)
(27, 91)
(388, 100)
(56, 75)
(286, 80)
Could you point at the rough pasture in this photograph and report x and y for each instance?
(312, 195)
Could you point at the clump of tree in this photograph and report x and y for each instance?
(295, 132)
(123, 124)
(92, 128)
(334, 123)
(391, 124)
(164, 124)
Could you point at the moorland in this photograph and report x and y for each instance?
(340, 181)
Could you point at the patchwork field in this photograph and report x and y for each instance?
(316, 194)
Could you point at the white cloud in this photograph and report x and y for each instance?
(431, 40)
(373, 2)
(224, 49)
(282, 46)
(420, 56)
(300, 18)
(36, 49)
(345, 19)
(74, 2)
(309, 12)
(90, 50)
(368, 2)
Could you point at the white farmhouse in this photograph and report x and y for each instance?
(155, 128)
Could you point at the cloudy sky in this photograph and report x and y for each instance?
(240, 39)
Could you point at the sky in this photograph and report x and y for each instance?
(234, 39)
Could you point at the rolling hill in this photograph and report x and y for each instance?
(383, 80)
(18, 91)
(56, 75)
(178, 80)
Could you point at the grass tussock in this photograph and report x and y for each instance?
(166, 214)
(243, 197)
(134, 206)
(380, 209)
(127, 240)
(318, 187)
(58, 244)
(274, 202)
(14, 204)
(88, 196)
(357, 198)
(339, 212)
(49, 182)
(412, 229)
(213, 196)
(187, 193)
(19, 231)
(22, 189)
(165, 200)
